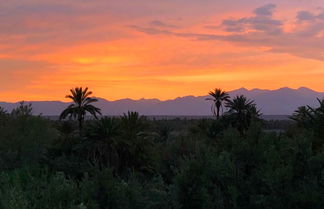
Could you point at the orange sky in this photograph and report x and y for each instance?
(158, 49)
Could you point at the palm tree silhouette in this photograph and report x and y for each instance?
(80, 106)
(218, 97)
(303, 115)
(135, 145)
(2, 111)
(242, 110)
(103, 141)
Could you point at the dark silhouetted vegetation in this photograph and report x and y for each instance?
(80, 106)
(129, 162)
(218, 96)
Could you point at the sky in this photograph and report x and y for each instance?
(158, 48)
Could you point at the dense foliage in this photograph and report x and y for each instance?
(130, 162)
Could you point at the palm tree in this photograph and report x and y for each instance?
(242, 111)
(309, 117)
(2, 111)
(303, 115)
(81, 105)
(136, 146)
(23, 110)
(103, 141)
(218, 97)
(320, 110)
(132, 124)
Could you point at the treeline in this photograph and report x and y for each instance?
(134, 163)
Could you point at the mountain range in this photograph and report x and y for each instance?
(281, 101)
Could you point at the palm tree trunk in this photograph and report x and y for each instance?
(217, 116)
(217, 110)
(80, 120)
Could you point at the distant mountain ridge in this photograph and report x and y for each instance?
(281, 101)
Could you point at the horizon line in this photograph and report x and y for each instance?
(143, 98)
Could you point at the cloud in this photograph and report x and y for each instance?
(262, 21)
(152, 30)
(309, 16)
(158, 23)
(305, 16)
(311, 24)
(262, 30)
(52, 24)
(266, 10)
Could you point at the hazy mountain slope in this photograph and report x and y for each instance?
(282, 101)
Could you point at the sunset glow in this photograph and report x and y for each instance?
(153, 49)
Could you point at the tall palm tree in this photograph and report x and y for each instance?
(81, 105)
(242, 110)
(218, 97)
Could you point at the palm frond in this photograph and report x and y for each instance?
(81, 105)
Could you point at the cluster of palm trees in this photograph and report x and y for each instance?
(240, 110)
(118, 142)
(239, 104)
